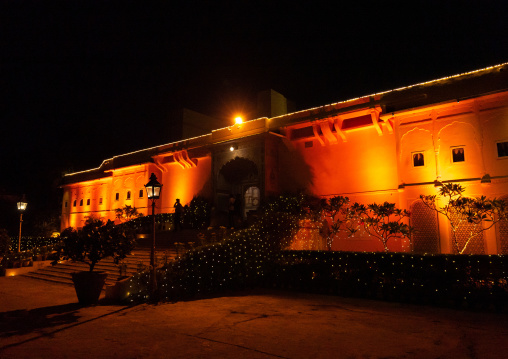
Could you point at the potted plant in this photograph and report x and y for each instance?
(95, 241)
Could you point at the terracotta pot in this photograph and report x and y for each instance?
(88, 286)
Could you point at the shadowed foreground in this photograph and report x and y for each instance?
(40, 319)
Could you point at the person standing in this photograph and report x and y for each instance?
(231, 211)
(177, 218)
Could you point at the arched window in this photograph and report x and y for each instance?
(128, 194)
(251, 199)
(425, 236)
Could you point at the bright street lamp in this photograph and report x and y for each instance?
(153, 191)
(21, 208)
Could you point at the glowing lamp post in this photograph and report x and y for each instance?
(153, 191)
(21, 208)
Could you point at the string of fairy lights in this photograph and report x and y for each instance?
(31, 249)
(256, 257)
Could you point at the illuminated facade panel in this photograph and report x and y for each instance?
(392, 146)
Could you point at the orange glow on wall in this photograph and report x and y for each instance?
(366, 162)
(356, 148)
(185, 183)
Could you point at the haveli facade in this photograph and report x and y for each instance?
(391, 146)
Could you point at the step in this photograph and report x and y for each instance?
(54, 279)
(61, 272)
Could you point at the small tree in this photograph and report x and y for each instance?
(382, 221)
(95, 241)
(5, 241)
(483, 213)
(127, 213)
(335, 211)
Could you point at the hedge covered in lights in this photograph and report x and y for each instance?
(255, 257)
(30, 243)
(449, 280)
(32, 248)
(244, 259)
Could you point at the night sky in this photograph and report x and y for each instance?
(82, 81)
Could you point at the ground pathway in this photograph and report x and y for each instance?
(43, 320)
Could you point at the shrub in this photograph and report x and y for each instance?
(5, 241)
(197, 213)
(95, 241)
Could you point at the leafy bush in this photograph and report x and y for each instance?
(197, 213)
(95, 241)
(5, 241)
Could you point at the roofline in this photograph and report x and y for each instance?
(314, 113)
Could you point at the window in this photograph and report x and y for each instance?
(141, 193)
(117, 196)
(81, 202)
(418, 159)
(88, 202)
(66, 204)
(100, 200)
(128, 194)
(502, 149)
(74, 203)
(458, 154)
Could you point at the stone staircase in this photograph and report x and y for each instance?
(169, 245)
(61, 272)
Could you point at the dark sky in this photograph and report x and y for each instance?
(81, 81)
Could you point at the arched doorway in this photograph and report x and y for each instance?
(426, 235)
(240, 178)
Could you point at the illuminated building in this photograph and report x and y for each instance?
(390, 146)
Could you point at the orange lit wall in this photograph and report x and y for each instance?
(98, 198)
(81, 200)
(475, 125)
(368, 162)
(185, 183)
(373, 166)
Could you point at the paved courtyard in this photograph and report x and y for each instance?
(43, 320)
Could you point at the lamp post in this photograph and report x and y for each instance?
(153, 191)
(21, 208)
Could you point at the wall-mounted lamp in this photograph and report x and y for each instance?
(233, 147)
